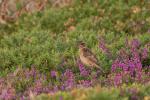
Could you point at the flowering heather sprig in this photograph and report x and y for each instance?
(62, 87)
(8, 94)
(23, 98)
(30, 73)
(129, 63)
(114, 65)
(135, 43)
(38, 88)
(83, 71)
(144, 54)
(117, 79)
(117, 64)
(61, 98)
(53, 73)
(85, 83)
(134, 93)
(69, 79)
(103, 47)
(55, 88)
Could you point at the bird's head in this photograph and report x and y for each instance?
(81, 45)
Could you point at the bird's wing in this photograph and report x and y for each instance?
(91, 57)
(88, 53)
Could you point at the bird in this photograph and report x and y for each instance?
(87, 57)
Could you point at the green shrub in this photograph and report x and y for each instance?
(100, 93)
(41, 38)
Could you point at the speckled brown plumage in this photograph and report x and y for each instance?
(87, 57)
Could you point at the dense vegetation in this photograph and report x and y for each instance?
(39, 54)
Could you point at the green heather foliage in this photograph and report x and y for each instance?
(42, 38)
(134, 91)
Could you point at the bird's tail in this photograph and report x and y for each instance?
(100, 68)
(102, 72)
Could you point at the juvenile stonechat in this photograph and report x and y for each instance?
(87, 57)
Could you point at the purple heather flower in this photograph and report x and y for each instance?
(86, 83)
(46, 89)
(8, 94)
(83, 70)
(69, 79)
(2, 80)
(22, 98)
(69, 83)
(135, 43)
(53, 73)
(103, 47)
(68, 74)
(31, 73)
(131, 64)
(132, 90)
(144, 53)
(115, 65)
(117, 79)
(139, 75)
(62, 87)
(55, 88)
(136, 59)
(125, 66)
(61, 98)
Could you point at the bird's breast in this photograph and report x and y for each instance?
(84, 60)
